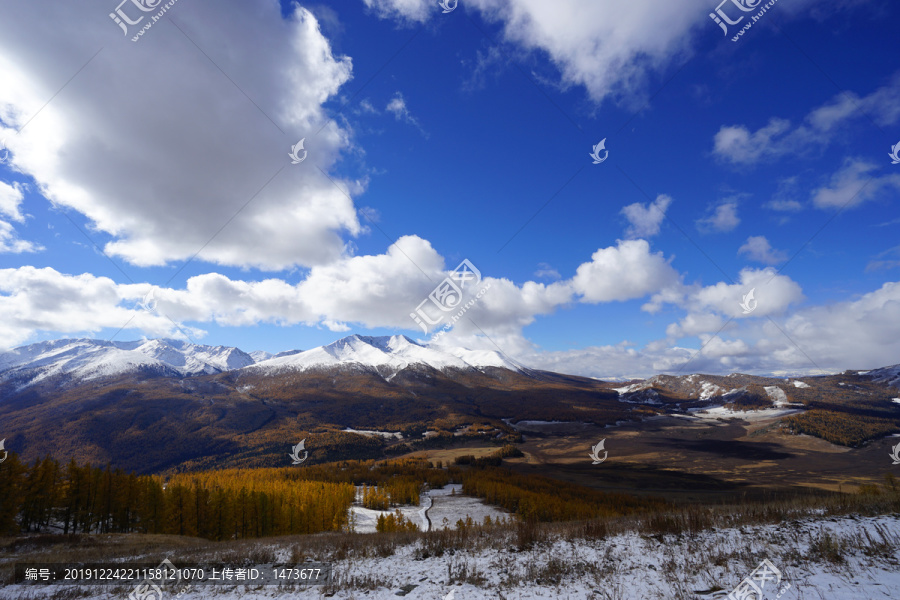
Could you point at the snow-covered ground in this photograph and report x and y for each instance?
(864, 565)
(776, 395)
(372, 432)
(447, 509)
(440, 504)
(720, 412)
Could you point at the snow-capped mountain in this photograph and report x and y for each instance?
(394, 353)
(86, 359)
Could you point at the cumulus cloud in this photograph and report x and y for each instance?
(758, 248)
(35, 300)
(611, 48)
(774, 294)
(855, 183)
(646, 219)
(723, 218)
(159, 149)
(369, 291)
(739, 145)
(624, 272)
(859, 334)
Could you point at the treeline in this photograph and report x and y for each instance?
(382, 474)
(538, 498)
(394, 522)
(216, 505)
(393, 492)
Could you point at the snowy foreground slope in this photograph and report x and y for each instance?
(846, 558)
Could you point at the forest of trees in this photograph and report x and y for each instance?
(841, 427)
(249, 503)
(537, 498)
(216, 505)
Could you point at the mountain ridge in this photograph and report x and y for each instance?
(84, 359)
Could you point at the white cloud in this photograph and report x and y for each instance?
(36, 300)
(114, 146)
(546, 271)
(412, 10)
(774, 294)
(859, 334)
(724, 218)
(645, 220)
(366, 106)
(11, 197)
(739, 145)
(10, 242)
(782, 205)
(758, 248)
(610, 48)
(881, 264)
(397, 107)
(624, 272)
(852, 185)
(369, 291)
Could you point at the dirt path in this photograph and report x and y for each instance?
(424, 512)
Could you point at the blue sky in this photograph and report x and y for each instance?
(759, 164)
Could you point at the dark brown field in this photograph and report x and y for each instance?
(687, 460)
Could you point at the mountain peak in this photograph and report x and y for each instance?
(86, 359)
(392, 352)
